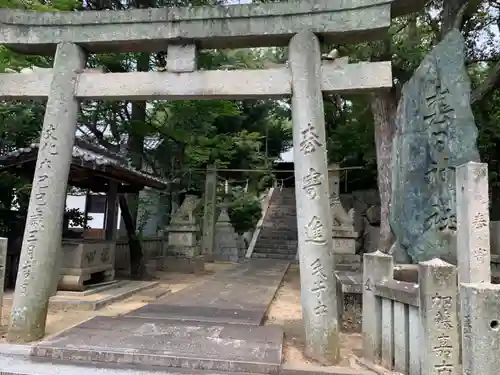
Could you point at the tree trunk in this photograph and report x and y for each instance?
(384, 106)
(135, 146)
(137, 267)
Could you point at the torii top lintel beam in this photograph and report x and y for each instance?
(235, 26)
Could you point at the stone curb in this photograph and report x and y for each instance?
(319, 370)
(85, 356)
(362, 367)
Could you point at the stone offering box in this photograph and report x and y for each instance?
(86, 262)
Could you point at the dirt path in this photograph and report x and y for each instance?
(285, 311)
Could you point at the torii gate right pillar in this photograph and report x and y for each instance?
(319, 297)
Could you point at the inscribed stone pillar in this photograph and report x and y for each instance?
(439, 352)
(473, 223)
(208, 240)
(314, 222)
(480, 328)
(42, 235)
(3, 261)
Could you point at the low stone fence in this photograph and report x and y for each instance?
(449, 321)
(409, 327)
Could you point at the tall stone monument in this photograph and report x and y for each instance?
(435, 133)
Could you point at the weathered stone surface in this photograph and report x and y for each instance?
(370, 237)
(473, 219)
(226, 244)
(435, 133)
(340, 218)
(166, 343)
(214, 84)
(40, 259)
(235, 26)
(185, 213)
(440, 347)
(314, 220)
(366, 206)
(182, 58)
(240, 295)
(377, 267)
(480, 304)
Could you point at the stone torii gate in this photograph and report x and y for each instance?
(182, 32)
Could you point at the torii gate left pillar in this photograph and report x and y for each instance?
(43, 230)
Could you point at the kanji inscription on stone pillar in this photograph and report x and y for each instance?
(314, 222)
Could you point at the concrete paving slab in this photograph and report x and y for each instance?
(15, 360)
(239, 295)
(165, 343)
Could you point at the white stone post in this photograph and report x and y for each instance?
(314, 223)
(3, 261)
(439, 352)
(480, 328)
(377, 267)
(209, 218)
(473, 223)
(42, 235)
(479, 299)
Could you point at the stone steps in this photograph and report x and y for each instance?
(278, 236)
(163, 343)
(264, 246)
(290, 240)
(274, 256)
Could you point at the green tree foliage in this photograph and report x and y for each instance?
(244, 211)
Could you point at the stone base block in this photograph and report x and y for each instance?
(344, 242)
(194, 264)
(183, 251)
(78, 283)
(348, 262)
(227, 254)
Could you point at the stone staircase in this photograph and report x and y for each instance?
(278, 235)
